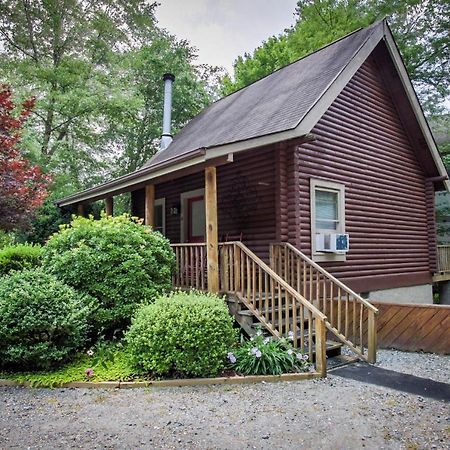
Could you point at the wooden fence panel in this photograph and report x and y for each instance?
(414, 327)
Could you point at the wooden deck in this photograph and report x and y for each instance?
(413, 327)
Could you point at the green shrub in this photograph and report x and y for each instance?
(18, 257)
(116, 260)
(47, 221)
(6, 239)
(42, 321)
(184, 333)
(266, 356)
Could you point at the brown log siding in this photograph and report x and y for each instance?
(362, 144)
(245, 196)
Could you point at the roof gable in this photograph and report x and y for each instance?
(276, 103)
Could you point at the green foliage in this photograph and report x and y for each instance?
(42, 321)
(117, 368)
(266, 356)
(6, 239)
(185, 333)
(18, 257)
(96, 70)
(116, 260)
(47, 221)
(420, 28)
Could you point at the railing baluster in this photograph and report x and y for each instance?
(346, 314)
(310, 334)
(339, 313)
(361, 328)
(324, 290)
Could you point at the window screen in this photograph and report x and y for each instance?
(327, 210)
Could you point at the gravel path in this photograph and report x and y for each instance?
(335, 413)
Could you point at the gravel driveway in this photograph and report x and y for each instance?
(335, 413)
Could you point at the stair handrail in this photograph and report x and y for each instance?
(372, 311)
(315, 311)
(328, 275)
(320, 319)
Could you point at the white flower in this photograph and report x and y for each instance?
(231, 358)
(290, 351)
(90, 352)
(291, 335)
(259, 333)
(305, 357)
(266, 340)
(254, 350)
(258, 354)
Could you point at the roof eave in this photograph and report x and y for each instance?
(417, 109)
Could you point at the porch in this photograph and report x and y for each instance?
(222, 222)
(292, 297)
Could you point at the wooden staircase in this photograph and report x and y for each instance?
(250, 326)
(293, 297)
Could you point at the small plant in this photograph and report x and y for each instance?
(185, 334)
(117, 260)
(18, 257)
(43, 322)
(266, 356)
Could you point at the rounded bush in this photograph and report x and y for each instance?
(184, 333)
(116, 260)
(42, 321)
(18, 257)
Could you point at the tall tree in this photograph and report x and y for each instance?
(421, 29)
(23, 187)
(80, 59)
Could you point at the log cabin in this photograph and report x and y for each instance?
(306, 194)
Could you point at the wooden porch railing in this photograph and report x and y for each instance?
(276, 304)
(191, 266)
(443, 253)
(348, 316)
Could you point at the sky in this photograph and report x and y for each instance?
(221, 30)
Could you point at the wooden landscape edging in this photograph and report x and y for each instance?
(174, 383)
(414, 327)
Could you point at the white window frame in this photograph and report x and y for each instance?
(330, 186)
(184, 197)
(161, 202)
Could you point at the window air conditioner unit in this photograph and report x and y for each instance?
(332, 242)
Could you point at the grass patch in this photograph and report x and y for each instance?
(117, 368)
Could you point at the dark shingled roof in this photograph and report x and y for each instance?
(273, 104)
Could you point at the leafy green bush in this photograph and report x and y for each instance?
(116, 260)
(42, 321)
(47, 221)
(184, 333)
(18, 257)
(6, 239)
(266, 356)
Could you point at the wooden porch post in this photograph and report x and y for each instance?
(321, 347)
(212, 252)
(109, 206)
(150, 205)
(80, 209)
(372, 337)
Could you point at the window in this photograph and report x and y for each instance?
(327, 214)
(160, 215)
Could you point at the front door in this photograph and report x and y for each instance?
(196, 223)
